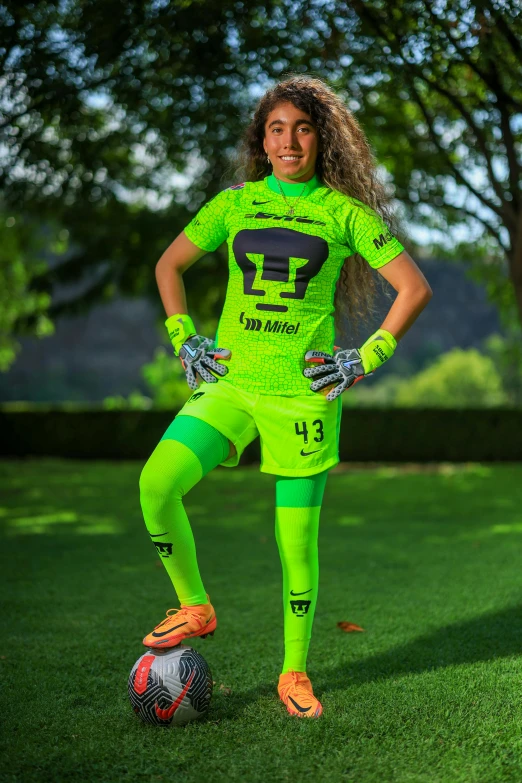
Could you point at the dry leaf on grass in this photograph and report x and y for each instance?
(345, 626)
(224, 690)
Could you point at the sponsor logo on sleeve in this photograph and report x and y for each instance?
(382, 240)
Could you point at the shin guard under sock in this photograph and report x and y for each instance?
(189, 449)
(298, 507)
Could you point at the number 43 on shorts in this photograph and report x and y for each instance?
(301, 428)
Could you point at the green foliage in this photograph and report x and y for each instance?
(506, 352)
(457, 379)
(21, 265)
(135, 401)
(165, 378)
(373, 393)
(98, 127)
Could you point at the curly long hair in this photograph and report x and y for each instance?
(345, 162)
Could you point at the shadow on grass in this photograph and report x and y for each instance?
(485, 638)
(73, 523)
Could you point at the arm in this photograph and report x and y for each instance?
(176, 259)
(197, 354)
(413, 294)
(334, 374)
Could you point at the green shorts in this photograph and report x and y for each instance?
(299, 435)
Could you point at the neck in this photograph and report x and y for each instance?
(293, 188)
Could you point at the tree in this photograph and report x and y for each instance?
(440, 89)
(457, 379)
(110, 108)
(119, 118)
(21, 264)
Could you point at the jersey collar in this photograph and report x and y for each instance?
(293, 188)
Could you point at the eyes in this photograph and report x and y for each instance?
(303, 128)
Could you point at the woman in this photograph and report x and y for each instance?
(309, 215)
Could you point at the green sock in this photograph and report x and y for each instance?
(189, 449)
(298, 506)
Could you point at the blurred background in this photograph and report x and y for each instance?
(119, 120)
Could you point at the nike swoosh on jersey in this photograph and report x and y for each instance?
(164, 633)
(306, 591)
(306, 453)
(261, 202)
(298, 706)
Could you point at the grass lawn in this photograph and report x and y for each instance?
(426, 560)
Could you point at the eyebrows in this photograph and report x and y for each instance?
(297, 122)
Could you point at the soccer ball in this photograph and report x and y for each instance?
(170, 687)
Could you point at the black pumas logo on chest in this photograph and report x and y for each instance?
(277, 246)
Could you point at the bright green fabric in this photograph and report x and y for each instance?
(180, 327)
(299, 435)
(283, 271)
(296, 530)
(189, 449)
(293, 188)
(377, 349)
(207, 443)
(300, 492)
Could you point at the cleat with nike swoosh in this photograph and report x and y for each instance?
(295, 691)
(184, 623)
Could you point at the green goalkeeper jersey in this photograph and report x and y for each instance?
(283, 270)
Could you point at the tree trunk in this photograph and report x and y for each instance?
(515, 265)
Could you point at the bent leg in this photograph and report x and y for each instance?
(298, 507)
(189, 449)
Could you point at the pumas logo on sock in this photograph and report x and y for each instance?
(163, 547)
(300, 608)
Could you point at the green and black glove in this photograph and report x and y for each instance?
(348, 366)
(196, 353)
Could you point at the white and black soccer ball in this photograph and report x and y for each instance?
(170, 687)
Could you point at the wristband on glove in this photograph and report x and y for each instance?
(334, 374)
(377, 349)
(180, 327)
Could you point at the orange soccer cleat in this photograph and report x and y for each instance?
(181, 624)
(295, 691)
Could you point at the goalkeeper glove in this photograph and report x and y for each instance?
(346, 367)
(197, 354)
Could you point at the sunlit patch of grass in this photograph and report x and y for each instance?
(424, 558)
(350, 521)
(44, 523)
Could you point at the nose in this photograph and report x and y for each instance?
(290, 140)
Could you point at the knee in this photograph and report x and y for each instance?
(157, 484)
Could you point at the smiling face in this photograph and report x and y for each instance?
(291, 142)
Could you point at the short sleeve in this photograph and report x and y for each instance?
(207, 228)
(368, 235)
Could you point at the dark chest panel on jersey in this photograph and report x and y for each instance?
(277, 245)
